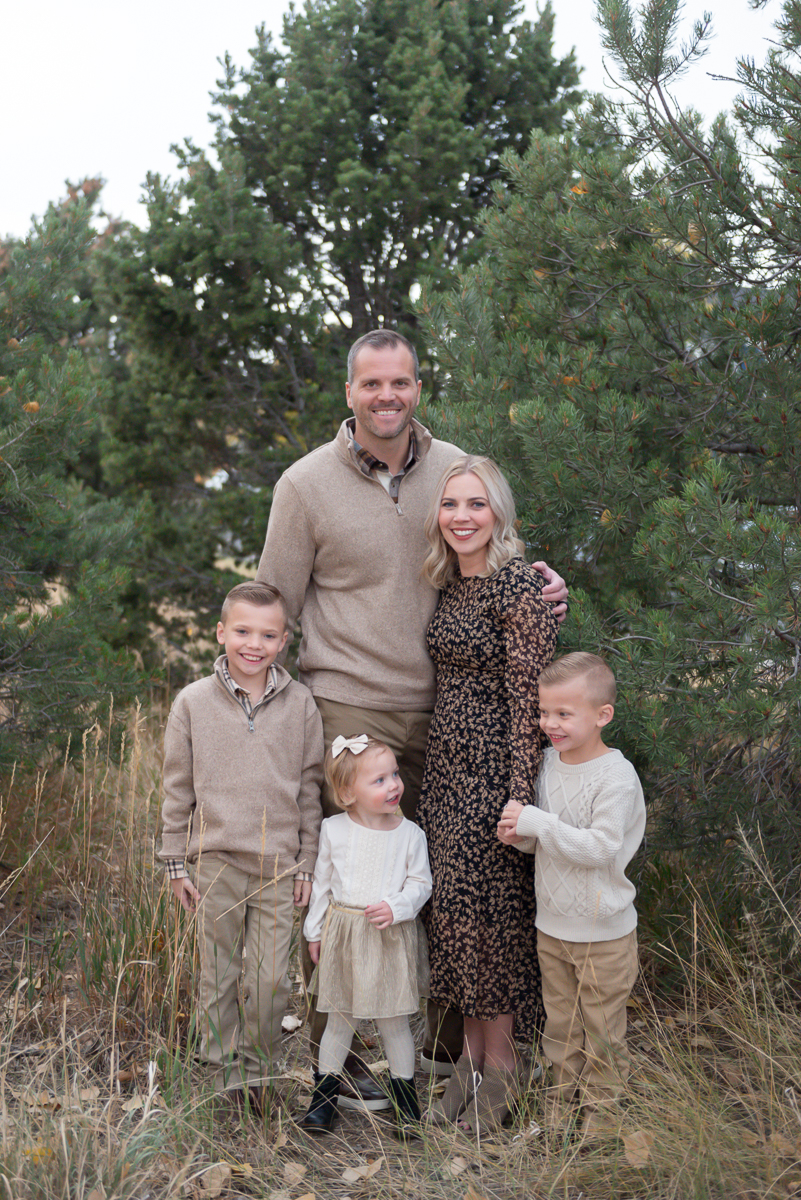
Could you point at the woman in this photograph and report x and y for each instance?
(490, 637)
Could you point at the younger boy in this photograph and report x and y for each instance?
(243, 753)
(587, 827)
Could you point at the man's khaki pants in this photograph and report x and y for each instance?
(245, 930)
(406, 734)
(585, 986)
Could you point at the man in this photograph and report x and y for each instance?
(345, 545)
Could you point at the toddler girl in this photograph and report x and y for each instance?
(371, 879)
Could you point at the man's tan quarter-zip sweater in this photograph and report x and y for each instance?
(347, 558)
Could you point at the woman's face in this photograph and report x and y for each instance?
(467, 521)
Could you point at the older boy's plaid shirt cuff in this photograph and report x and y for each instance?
(304, 876)
(176, 868)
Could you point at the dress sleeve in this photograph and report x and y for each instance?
(321, 889)
(416, 889)
(529, 630)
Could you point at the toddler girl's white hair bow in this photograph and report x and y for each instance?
(354, 744)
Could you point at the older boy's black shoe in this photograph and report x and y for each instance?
(403, 1095)
(323, 1108)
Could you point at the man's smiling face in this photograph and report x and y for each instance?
(384, 393)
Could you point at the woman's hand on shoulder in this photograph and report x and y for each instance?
(380, 915)
(555, 590)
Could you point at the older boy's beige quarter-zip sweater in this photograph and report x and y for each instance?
(347, 560)
(244, 788)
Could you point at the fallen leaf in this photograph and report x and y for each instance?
(242, 1171)
(281, 1141)
(364, 1171)
(90, 1093)
(293, 1173)
(281, 1195)
(455, 1166)
(702, 1043)
(39, 1100)
(96, 1194)
(135, 1103)
(473, 1194)
(638, 1147)
(377, 1067)
(750, 1138)
(290, 1023)
(783, 1146)
(307, 1196)
(215, 1181)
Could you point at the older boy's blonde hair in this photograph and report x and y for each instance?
(340, 772)
(253, 592)
(601, 682)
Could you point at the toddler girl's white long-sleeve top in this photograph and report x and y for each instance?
(360, 866)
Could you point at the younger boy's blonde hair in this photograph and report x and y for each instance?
(601, 682)
(340, 772)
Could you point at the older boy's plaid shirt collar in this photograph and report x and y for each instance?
(368, 463)
(242, 695)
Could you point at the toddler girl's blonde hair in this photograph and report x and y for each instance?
(340, 772)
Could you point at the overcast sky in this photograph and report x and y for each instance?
(99, 88)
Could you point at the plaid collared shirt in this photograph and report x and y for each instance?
(176, 867)
(368, 464)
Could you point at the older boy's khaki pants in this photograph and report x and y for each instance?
(245, 929)
(585, 986)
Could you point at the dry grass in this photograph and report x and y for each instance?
(99, 1097)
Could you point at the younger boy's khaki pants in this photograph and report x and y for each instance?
(244, 931)
(585, 986)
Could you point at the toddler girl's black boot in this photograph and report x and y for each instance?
(403, 1095)
(323, 1108)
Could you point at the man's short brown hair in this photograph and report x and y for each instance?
(381, 339)
(251, 592)
(600, 680)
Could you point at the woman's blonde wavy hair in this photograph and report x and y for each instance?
(441, 565)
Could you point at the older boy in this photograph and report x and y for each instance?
(587, 827)
(243, 753)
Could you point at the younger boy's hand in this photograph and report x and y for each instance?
(555, 590)
(314, 952)
(303, 889)
(185, 891)
(507, 826)
(380, 915)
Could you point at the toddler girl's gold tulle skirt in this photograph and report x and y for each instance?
(370, 972)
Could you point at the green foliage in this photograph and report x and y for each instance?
(627, 348)
(344, 167)
(64, 548)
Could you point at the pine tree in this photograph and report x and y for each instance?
(64, 548)
(627, 348)
(343, 168)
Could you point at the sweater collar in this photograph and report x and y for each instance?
(345, 446)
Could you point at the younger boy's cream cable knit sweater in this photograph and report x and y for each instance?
(588, 825)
